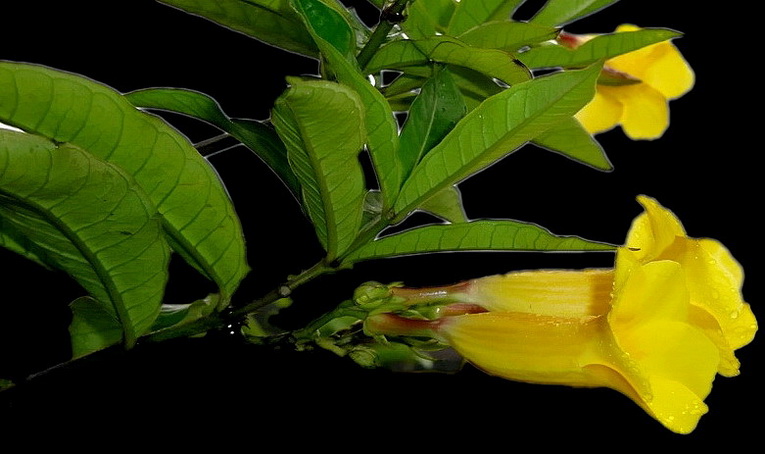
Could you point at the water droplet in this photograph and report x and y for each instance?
(734, 314)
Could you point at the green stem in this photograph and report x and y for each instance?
(380, 34)
(362, 239)
(222, 319)
(284, 290)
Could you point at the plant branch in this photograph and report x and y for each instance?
(390, 16)
(223, 319)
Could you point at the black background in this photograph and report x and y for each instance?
(703, 169)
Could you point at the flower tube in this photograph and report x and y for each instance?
(658, 327)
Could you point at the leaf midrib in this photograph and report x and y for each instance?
(103, 275)
(465, 170)
(326, 202)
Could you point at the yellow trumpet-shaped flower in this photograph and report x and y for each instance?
(657, 327)
(660, 74)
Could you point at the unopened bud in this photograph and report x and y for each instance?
(371, 294)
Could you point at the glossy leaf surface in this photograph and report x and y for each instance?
(321, 124)
(500, 235)
(198, 216)
(560, 12)
(599, 48)
(570, 139)
(426, 18)
(270, 21)
(500, 125)
(471, 13)
(507, 35)
(493, 63)
(89, 219)
(380, 124)
(435, 111)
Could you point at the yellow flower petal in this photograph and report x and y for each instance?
(713, 278)
(675, 406)
(681, 364)
(604, 112)
(667, 60)
(668, 382)
(715, 282)
(660, 65)
(645, 113)
(654, 291)
(653, 231)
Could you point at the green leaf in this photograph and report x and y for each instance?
(474, 86)
(380, 124)
(89, 219)
(270, 21)
(426, 18)
(570, 139)
(434, 112)
(471, 13)
(321, 123)
(15, 241)
(493, 63)
(561, 12)
(507, 35)
(499, 126)
(92, 327)
(329, 25)
(173, 315)
(601, 47)
(198, 216)
(446, 204)
(256, 136)
(484, 235)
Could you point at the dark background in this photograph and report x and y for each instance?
(703, 169)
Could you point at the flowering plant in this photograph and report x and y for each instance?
(401, 112)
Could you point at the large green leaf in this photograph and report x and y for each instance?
(493, 63)
(330, 25)
(601, 47)
(471, 13)
(92, 328)
(321, 123)
(500, 125)
(507, 35)
(90, 219)
(570, 139)
(380, 124)
(561, 12)
(270, 21)
(434, 112)
(489, 235)
(447, 205)
(197, 214)
(426, 18)
(256, 136)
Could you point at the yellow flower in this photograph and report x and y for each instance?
(641, 108)
(658, 327)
